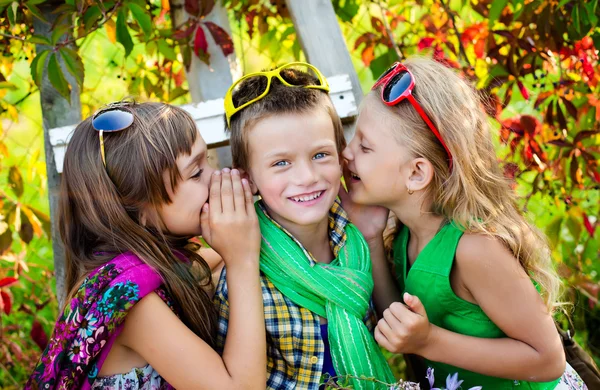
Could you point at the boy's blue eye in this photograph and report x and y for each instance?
(319, 156)
(281, 163)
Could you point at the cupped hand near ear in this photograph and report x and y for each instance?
(404, 328)
(229, 222)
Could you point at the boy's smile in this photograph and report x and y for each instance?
(295, 166)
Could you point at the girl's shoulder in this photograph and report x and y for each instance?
(478, 254)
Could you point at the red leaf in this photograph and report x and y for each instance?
(425, 43)
(250, 21)
(377, 24)
(200, 42)
(178, 78)
(5, 302)
(523, 90)
(221, 38)
(182, 34)
(192, 7)
(596, 176)
(367, 38)
(7, 282)
(38, 335)
(480, 48)
(207, 6)
(570, 107)
(588, 226)
(368, 55)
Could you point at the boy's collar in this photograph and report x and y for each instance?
(338, 219)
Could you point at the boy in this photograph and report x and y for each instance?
(315, 266)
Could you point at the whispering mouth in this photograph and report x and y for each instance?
(307, 198)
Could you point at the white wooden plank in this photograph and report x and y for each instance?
(209, 118)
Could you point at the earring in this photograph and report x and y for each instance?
(410, 192)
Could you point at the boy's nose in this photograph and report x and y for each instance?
(306, 174)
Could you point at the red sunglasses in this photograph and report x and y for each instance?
(398, 84)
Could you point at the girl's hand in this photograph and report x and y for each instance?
(404, 328)
(229, 222)
(370, 220)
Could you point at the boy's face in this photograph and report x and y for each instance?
(294, 164)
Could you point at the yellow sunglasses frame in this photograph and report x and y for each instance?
(231, 110)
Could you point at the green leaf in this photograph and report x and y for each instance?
(166, 50)
(36, 2)
(91, 16)
(74, 64)
(57, 79)
(39, 40)
(574, 226)
(496, 10)
(123, 33)
(58, 32)
(177, 92)
(8, 85)
(142, 17)
(26, 231)
(15, 181)
(12, 13)
(381, 63)
(37, 67)
(5, 241)
(553, 230)
(35, 11)
(288, 31)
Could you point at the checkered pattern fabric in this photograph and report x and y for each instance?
(295, 349)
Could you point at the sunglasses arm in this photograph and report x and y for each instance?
(430, 124)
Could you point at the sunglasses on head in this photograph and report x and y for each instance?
(109, 119)
(231, 108)
(398, 84)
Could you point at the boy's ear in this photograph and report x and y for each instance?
(247, 176)
(421, 174)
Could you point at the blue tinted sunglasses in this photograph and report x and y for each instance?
(111, 118)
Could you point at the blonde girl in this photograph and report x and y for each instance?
(476, 278)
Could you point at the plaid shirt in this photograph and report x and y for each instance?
(295, 349)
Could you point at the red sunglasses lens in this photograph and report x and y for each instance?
(396, 86)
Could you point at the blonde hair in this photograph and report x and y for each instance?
(475, 194)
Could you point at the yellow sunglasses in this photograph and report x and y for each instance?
(231, 109)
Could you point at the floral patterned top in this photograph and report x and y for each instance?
(145, 378)
(90, 323)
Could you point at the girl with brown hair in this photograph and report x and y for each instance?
(136, 186)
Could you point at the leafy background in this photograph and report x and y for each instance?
(534, 61)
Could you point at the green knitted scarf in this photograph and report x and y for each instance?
(339, 291)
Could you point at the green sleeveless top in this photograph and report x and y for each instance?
(429, 279)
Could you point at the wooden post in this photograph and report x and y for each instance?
(208, 82)
(322, 41)
(56, 112)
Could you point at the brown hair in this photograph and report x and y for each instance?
(280, 100)
(475, 194)
(100, 208)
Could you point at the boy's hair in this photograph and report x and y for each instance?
(475, 194)
(279, 100)
(100, 208)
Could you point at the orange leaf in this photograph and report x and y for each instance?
(368, 55)
(111, 30)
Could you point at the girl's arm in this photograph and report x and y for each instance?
(174, 351)
(499, 285)
(371, 221)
